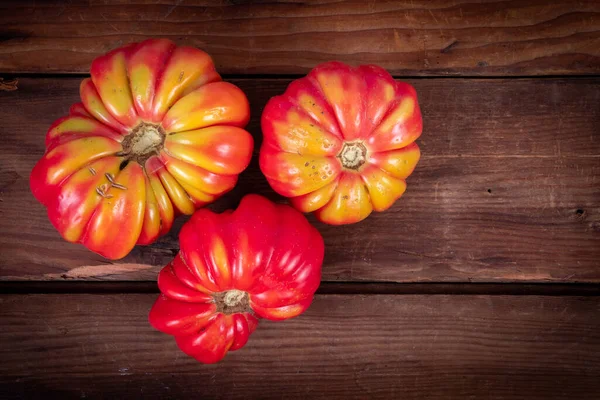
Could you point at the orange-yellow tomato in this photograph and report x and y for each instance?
(157, 133)
(340, 141)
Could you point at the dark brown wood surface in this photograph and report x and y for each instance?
(482, 282)
(348, 346)
(508, 189)
(417, 37)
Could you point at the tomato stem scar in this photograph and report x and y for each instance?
(353, 155)
(232, 301)
(144, 141)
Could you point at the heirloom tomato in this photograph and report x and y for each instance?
(260, 261)
(340, 141)
(157, 133)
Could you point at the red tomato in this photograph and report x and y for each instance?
(260, 261)
(340, 141)
(156, 134)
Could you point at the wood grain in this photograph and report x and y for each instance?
(420, 37)
(507, 190)
(377, 347)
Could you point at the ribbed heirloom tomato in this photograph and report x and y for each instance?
(156, 133)
(340, 141)
(260, 261)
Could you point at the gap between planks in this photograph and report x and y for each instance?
(226, 77)
(345, 288)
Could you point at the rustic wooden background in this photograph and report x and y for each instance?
(481, 282)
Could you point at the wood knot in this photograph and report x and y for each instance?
(580, 214)
(8, 85)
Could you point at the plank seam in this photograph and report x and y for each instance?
(36, 75)
(341, 288)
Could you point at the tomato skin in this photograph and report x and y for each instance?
(340, 141)
(269, 252)
(156, 134)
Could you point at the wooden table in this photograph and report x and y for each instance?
(481, 282)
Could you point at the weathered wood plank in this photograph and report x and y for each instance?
(408, 347)
(507, 190)
(419, 37)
